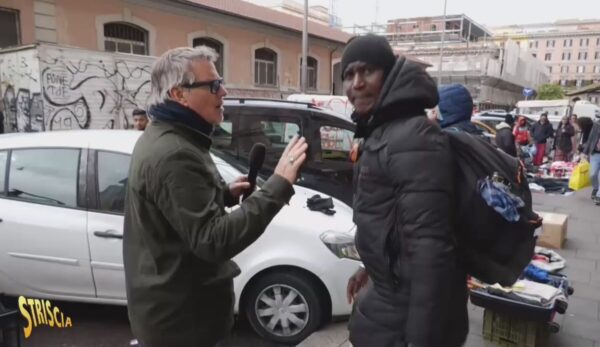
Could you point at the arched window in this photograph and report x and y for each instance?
(125, 38)
(311, 71)
(214, 44)
(265, 67)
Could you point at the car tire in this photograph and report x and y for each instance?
(284, 298)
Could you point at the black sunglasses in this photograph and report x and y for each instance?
(213, 85)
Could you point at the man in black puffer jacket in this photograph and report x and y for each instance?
(416, 294)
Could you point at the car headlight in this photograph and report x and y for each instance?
(342, 245)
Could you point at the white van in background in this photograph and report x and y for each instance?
(335, 103)
(586, 110)
(557, 109)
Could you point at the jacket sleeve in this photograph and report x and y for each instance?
(423, 176)
(186, 195)
(592, 139)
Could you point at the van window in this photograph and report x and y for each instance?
(336, 143)
(243, 127)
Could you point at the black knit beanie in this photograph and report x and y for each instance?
(370, 49)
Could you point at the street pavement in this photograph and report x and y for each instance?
(580, 326)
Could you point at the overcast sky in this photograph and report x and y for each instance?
(487, 12)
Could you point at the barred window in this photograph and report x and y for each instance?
(9, 28)
(125, 38)
(265, 67)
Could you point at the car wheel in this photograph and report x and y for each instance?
(284, 307)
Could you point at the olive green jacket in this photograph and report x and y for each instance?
(179, 240)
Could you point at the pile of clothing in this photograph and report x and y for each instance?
(538, 294)
(548, 185)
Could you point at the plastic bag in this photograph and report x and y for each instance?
(580, 177)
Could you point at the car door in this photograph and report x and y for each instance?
(43, 243)
(106, 190)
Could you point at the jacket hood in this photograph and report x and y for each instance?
(456, 104)
(503, 125)
(407, 91)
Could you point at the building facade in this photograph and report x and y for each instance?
(495, 76)
(85, 41)
(318, 12)
(570, 49)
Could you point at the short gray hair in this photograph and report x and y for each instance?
(174, 68)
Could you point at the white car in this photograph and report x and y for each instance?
(61, 230)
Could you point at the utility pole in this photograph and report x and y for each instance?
(439, 79)
(304, 77)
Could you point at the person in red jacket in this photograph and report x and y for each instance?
(521, 132)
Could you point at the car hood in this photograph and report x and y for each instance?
(298, 212)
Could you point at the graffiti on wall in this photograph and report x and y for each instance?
(84, 94)
(83, 90)
(21, 101)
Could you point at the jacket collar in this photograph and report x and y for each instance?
(174, 113)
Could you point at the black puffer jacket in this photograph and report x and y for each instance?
(505, 140)
(402, 207)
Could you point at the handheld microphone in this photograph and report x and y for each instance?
(255, 161)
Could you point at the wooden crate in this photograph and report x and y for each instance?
(510, 331)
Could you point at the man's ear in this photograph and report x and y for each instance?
(178, 95)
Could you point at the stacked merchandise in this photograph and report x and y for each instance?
(552, 177)
(519, 315)
(557, 170)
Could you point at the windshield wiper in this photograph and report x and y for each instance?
(17, 193)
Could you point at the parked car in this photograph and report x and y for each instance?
(328, 168)
(61, 230)
(492, 112)
(492, 120)
(487, 131)
(484, 127)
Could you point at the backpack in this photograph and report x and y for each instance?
(491, 248)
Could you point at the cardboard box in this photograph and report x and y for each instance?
(554, 230)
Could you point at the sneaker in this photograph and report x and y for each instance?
(594, 193)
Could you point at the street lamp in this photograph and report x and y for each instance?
(439, 79)
(303, 72)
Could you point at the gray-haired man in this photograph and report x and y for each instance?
(178, 239)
